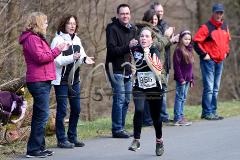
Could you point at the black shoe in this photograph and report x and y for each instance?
(38, 154)
(218, 117)
(166, 122)
(128, 133)
(212, 117)
(65, 144)
(78, 143)
(120, 134)
(49, 153)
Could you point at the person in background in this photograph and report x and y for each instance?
(149, 85)
(211, 42)
(165, 30)
(150, 19)
(183, 75)
(66, 63)
(121, 36)
(40, 72)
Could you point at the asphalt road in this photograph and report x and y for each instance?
(204, 140)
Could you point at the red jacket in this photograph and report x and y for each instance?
(212, 38)
(39, 57)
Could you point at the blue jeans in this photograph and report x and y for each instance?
(164, 113)
(40, 92)
(180, 99)
(122, 88)
(211, 76)
(64, 93)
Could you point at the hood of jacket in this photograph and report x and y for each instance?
(67, 36)
(24, 36)
(142, 24)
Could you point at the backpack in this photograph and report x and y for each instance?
(211, 28)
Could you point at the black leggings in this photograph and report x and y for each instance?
(154, 98)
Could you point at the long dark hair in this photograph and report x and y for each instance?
(64, 21)
(148, 15)
(187, 51)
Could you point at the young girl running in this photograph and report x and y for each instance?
(149, 85)
(183, 75)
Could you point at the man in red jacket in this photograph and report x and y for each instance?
(211, 42)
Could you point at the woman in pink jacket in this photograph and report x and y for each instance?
(39, 59)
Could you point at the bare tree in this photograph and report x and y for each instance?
(93, 16)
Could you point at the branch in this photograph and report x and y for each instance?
(14, 85)
(5, 6)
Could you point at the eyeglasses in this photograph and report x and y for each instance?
(73, 24)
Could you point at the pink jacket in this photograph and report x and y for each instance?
(38, 57)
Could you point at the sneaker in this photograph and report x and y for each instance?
(38, 154)
(120, 134)
(212, 117)
(134, 145)
(65, 144)
(48, 152)
(182, 122)
(218, 117)
(166, 122)
(208, 117)
(159, 149)
(128, 133)
(77, 143)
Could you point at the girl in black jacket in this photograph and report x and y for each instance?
(149, 85)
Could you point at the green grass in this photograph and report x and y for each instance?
(102, 126)
(225, 109)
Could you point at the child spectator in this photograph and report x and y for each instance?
(183, 75)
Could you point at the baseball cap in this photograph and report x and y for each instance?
(218, 7)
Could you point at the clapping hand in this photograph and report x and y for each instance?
(175, 39)
(169, 32)
(89, 60)
(63, 46)
(133, 42)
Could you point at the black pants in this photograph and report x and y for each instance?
(154, 97)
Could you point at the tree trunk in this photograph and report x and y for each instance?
(14, 59)
(14, 85)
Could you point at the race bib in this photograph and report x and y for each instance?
(146, 80)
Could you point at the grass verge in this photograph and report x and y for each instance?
(102, 126)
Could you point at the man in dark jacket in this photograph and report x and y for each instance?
(212, 45)
(120, 36)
